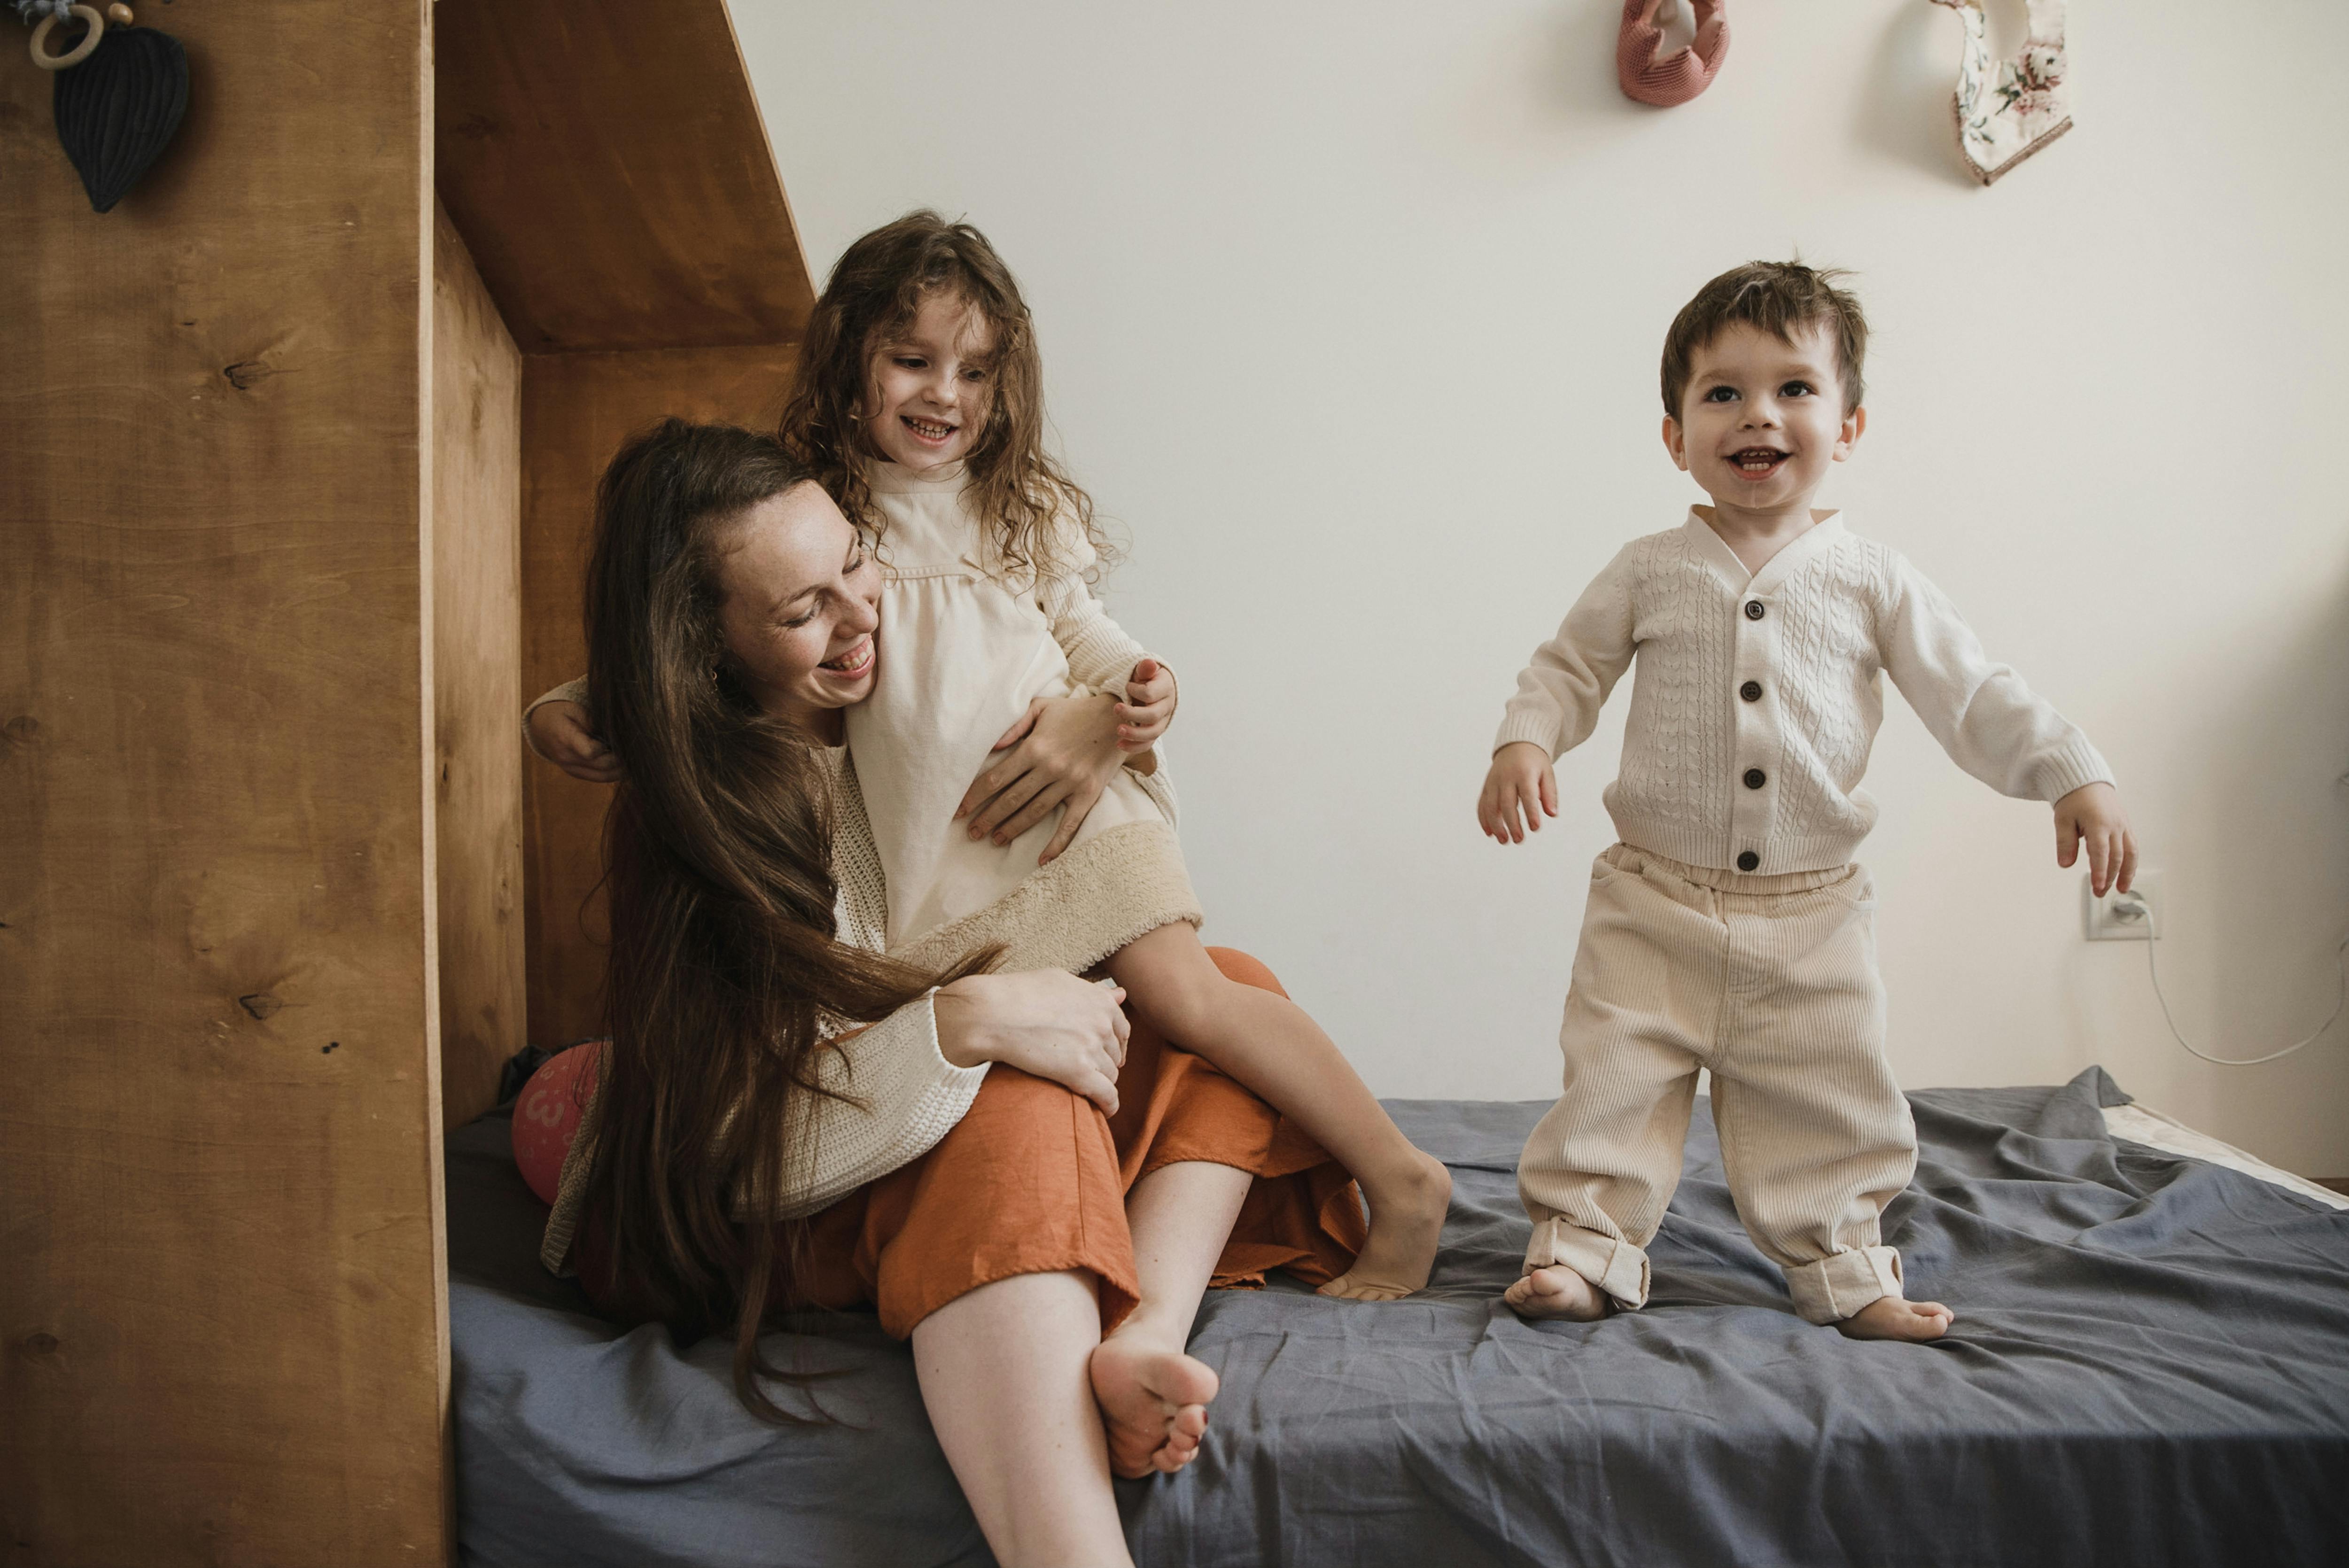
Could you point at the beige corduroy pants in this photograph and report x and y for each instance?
(1771, 982)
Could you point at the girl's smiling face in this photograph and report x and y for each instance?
(928, 387)
(1762, 418)
(801, 603)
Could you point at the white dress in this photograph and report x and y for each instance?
(965, 645)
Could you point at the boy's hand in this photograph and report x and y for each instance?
(560, 730)
(2092, 815)
(1520, 790)
(1148, 707)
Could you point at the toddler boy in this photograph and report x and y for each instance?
(1730, 930)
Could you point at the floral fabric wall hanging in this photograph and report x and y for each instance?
(2008, 110)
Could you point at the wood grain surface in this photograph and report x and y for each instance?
(476, 679)
(577, 411)
(606, 163)
(220, 1336)
(290, 524)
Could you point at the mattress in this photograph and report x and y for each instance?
(2150, 1365)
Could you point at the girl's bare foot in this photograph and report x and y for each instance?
(1890, 1317)
(1153, 1404)
(1407, 1212)
(1556, 1291)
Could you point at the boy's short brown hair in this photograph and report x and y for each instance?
(1781, 298)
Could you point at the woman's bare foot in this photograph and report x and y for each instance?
(1407, 1212)
(1556, 1291)
(1890, 1317)
(1153, 1404)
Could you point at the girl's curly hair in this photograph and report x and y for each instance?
(1023, 497)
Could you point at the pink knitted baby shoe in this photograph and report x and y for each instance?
(1686, 71)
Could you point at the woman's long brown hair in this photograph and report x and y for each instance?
(725, 978)
(1023, 496)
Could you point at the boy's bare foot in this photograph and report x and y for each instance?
(1406, 1222)
(1890, 1317)
(1153, 1404)
(1556, 1291)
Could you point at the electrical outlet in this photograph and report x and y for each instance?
(2128, 916)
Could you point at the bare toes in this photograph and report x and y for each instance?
(1153, 1404)
(1891, 1317)
(1185, 1436)
(1556, 1291)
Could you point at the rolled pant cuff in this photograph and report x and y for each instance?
(1615, 1266)
(1839, 1284)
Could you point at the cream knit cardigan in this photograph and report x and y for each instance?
(1758, 698)
(907, 1096)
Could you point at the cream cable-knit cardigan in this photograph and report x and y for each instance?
(1757, 698)
(906, 1095)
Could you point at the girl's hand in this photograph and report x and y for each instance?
(2092, 815)
(1148, 707)
(560, 730)
(1062, 753)
(1520, 790)
(1046, 1022)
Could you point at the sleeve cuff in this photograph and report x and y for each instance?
(1537, 729)
(2076, 765)
(1104, 658)
(923, 1015)
(569, 691)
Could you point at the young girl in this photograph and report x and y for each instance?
(918, 405)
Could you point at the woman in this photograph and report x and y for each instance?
(1034, 1198)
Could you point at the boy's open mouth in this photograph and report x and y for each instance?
(927, 430)
(1757, 462)
(855, 662)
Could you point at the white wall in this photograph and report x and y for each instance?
(1350, 316)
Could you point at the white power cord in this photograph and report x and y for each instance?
(2131, 907)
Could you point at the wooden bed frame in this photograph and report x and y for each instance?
(297, 447)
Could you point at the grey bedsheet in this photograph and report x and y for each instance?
(2150, 1365)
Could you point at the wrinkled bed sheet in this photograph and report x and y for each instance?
(2150, 1365)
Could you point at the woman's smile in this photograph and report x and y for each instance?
(855, 662)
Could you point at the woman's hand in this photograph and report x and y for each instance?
(1148, 707)
(558, 729)
(1061, 753)
(1046, 1022)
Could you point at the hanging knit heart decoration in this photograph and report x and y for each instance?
(118, 109)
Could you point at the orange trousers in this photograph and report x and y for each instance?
(1033, 1181)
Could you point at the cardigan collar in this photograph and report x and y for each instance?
(1714, 549)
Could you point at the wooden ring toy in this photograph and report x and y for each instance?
(80, 52)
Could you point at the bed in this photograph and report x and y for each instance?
(2150, 1367)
